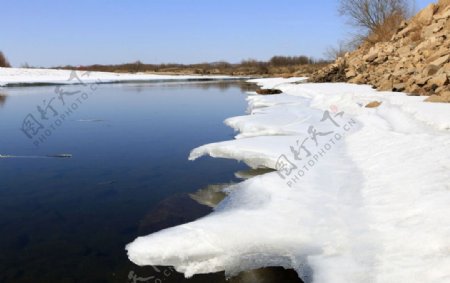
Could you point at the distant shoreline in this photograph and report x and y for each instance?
(20, 77)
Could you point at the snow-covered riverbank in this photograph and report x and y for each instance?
(19, 76)
(361, 194)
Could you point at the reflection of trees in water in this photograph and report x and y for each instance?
(3, 98)
(206, 85)
(248, 86)
(225, 85)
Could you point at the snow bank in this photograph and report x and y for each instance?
(373, 206)
(20, 76)
(277, 82)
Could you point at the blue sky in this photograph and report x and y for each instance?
(59, 32)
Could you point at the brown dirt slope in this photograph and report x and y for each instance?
(416, 60)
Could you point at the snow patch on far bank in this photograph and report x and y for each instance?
(21, 76)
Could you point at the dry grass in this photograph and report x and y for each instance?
(3, 61)
(386, 30)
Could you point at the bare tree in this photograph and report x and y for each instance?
(371, 14)
(3, 61)
(334, 52)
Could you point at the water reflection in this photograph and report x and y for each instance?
(183, 208)
(267, 275)
(69, 220)
(210, 196)
(225, 85)
(3, 98)
(204, 85)
(174, 210)
(262, 275)
(250, 173)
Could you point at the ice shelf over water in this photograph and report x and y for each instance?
(369, 202)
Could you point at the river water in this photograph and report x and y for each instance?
(85, 170)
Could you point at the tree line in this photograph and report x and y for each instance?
(248, 66)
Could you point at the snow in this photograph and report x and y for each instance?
(277, 82)
(21, 76)
(373, 207)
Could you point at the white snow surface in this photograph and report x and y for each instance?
(276, 82)
(374, 208)
(15, 76)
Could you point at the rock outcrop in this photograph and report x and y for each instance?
(416, 60)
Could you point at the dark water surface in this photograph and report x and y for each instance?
(69, 219)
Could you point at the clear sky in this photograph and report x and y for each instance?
(77, 32)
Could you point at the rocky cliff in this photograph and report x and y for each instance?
(416, 60)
